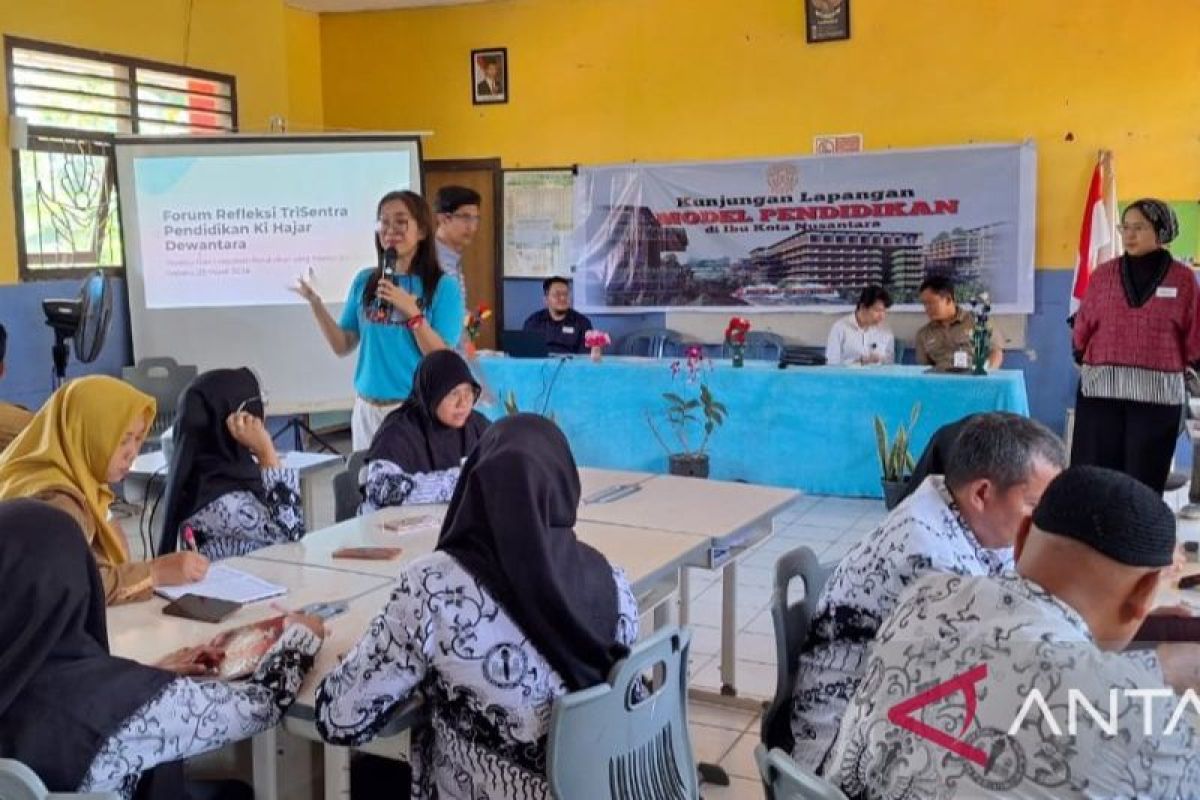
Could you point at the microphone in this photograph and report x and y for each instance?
(380, 308)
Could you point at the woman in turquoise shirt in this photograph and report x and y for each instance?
(395, 321)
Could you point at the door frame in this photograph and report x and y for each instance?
(492, 165)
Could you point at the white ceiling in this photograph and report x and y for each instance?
(371, 5)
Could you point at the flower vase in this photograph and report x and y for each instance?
(739, 356)
(597, 354)
(469, 348)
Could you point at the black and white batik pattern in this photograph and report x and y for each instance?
(237, 523)
(490, 691)
(947, 627)
(190, 717)
(388, 485)
(923, 534)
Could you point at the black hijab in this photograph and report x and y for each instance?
(61, 693)
(511, 525)
(412, 437)
(208, 462)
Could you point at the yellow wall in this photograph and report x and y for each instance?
(596, 81)
(246, 38)
(303, 71)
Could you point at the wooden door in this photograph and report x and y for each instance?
(481, 260)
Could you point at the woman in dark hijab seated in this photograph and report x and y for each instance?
(86, 721)
(508, 613)
(419, 449)
(226, 482)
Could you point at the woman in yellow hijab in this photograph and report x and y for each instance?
(83, 439)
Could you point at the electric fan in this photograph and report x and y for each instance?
(83, 320)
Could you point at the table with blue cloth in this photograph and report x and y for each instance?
(807, 428)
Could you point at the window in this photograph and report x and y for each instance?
(74, 102)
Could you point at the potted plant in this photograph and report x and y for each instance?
(596, 341)
(981, 334)
(686, 413)
(472, 324)
(735, 337)
(895, 460)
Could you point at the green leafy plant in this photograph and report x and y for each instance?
(683, 415)
(895, 460)
(511, 407)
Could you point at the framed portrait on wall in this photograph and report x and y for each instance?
(489, 75)
(826, 20)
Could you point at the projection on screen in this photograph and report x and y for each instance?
(217, 229)
(236, 230)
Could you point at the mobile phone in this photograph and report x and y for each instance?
(1189, 582)
(326, 611)
(202, 609)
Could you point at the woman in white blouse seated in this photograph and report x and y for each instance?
(419, 448)
(85, 721)
(862, 337)
(226, 483)
(508, 613)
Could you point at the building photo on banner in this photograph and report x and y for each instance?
(807, 233)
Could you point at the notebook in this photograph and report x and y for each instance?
(225, 583)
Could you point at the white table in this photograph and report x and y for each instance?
(140, 631)
(731, 517)
(150, 466)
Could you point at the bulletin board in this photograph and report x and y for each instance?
(538, 222)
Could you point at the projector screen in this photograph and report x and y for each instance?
(217, 229)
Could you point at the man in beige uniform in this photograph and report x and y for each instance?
(13, 419)
(949, 329)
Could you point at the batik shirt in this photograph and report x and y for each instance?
(994, 641)
(237, 522)
(923, 534)
(489, 690)
(389, 485)
(190, 717)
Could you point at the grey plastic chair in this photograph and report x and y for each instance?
(347, 487)
(605, 746)
(760, 346)
(19, 782)
(163, 379)
(652, 342)
(787, 780)
(791, 632)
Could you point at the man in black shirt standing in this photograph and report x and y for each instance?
(563, 326)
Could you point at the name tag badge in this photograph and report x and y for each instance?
(568, 329)
(1167, 292)
(960, 360)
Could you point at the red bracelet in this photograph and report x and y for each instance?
(415, 322)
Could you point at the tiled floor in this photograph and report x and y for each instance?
(723, 735)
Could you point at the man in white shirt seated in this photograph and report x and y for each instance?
(963, 523)
(1014, 686)
(862, 337)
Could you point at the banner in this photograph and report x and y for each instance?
(806, 233)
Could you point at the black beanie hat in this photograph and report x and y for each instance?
(1111, 513)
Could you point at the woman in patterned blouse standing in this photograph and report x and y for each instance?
(1137, 331)
(226, 482)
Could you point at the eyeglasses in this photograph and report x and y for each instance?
(398, 225)
(1134, 227)
(463, 394)
(469, 219)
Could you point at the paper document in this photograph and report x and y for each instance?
(225, 583)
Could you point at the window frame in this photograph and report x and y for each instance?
(35, 132)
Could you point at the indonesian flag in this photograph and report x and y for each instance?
(1096, 238)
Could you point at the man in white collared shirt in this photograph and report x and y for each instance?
(862, 337)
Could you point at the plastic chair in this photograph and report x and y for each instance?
(787, 780)
(760, 346)
(605, 746)
(163, 379)
(347, 487)
(791, 632)
(19, 782)
(652, 342)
